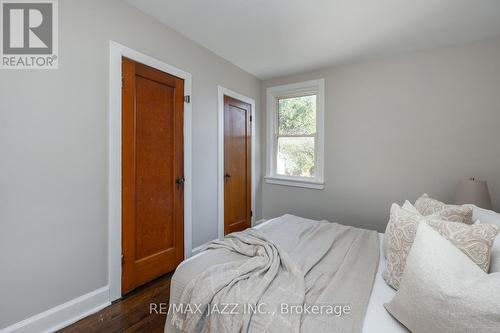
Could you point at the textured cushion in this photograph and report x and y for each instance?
(392, 217)
(410, 208)
(443, 291)
(481, 215)
(473, 240)
(428, 206)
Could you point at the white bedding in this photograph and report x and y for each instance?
(377, 319)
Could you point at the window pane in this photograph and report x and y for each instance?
(295, 156)
(297, 115)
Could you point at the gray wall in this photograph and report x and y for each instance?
(395, 128)
(53, 147)
(400, 126)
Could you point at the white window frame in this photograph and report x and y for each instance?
(316, 87)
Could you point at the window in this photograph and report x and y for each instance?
(295, 134)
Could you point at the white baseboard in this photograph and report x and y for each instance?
(197, 249)
(259, 222)
(63, 315)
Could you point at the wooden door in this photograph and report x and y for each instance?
(237, 165)
(152, 173)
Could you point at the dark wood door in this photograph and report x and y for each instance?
(237, 165)
(152, 173)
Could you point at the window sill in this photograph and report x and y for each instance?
(286, 181)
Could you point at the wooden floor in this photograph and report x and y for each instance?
(131, 313)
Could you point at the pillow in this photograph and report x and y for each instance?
(473, 240)
(443, 291)
(428, 206)
(495, 256)
(481, 215)
(407, 206)
(485, 215)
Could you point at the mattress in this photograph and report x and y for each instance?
(377, 319)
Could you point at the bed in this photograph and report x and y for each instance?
(376, 318)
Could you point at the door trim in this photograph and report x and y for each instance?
(220, 158)
(116, 52)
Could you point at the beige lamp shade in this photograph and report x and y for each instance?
(472, 191)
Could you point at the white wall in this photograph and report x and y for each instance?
(53, 148)
(400, 126)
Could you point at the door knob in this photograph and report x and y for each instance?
(227, 176)
(180, 180)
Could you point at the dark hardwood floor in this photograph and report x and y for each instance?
(131, 313)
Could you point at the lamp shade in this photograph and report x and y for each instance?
(472, 191)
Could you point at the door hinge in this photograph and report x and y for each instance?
(123, 259)
(187, 99)
(251, 118)
(251, 213)
(123, 82)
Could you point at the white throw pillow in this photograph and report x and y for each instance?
(409, 207)
(485, 215)
(442, 290)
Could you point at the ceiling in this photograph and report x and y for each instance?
(271, 38)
